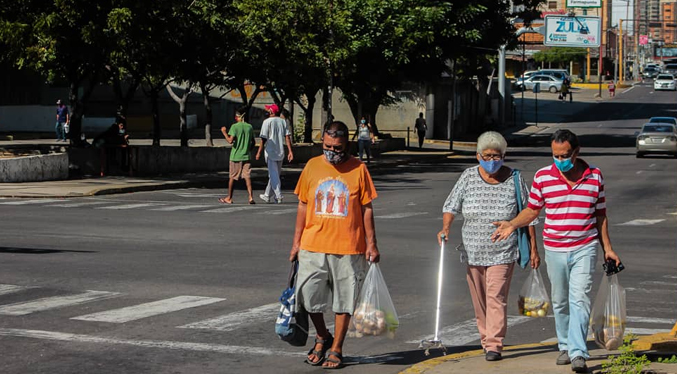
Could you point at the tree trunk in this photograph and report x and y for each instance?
(154, 94)
(183, 123)
(208, 114)
(75, 117)
(308, 126)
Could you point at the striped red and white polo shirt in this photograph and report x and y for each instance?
(570, 212)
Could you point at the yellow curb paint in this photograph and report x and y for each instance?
(674, 331)
(659, 342)
(424, 366)
(596, 85)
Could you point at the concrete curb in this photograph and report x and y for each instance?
(421, 367)
(663, 342)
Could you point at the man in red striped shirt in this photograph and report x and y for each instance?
(572, 193)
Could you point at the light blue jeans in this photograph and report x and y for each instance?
(571, 281)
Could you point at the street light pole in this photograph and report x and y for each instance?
(620, 54)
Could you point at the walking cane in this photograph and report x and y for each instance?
(436, 342)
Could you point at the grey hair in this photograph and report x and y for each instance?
(491, 140)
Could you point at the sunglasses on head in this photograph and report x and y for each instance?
(335, 133)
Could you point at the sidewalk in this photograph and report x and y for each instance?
(550, 109)
(522, 359)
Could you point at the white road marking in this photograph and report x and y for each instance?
(652, 165)
(154, 308)
(76, 205)
(198, 194)
(673, 214)
(10, 288)
(464, 332)
(600, 125)
(232, 321)
(641, 222)
(28, 307)
(181, 207)
(32, 201)
(279, 212)
(229, 209)
(659, 283)
(660, 321)
(644, 290)
(640, 172)
(129, 206)
(628, 90)
(643, 331)
(162, 344)
(401, 215)
(670, 276)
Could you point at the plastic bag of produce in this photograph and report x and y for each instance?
(607, 320)
(375, 313)
(533, 298)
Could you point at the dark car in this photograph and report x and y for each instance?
(650, 73)
(671, 69)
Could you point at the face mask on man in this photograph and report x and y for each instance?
(334, 157)
(121, 131)
(564, 165)
(363, 122)
(491, 166)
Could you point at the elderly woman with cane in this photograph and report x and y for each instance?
(484, 194)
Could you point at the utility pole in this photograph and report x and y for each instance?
(620, 54)
(601, 45)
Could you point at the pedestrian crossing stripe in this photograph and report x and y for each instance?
(232, 321)
(10, 288)
(133, 313)
(129, 206)
(230, 209)
(77, 205)
(181, 207)
(641, 222)
(46, 303)
(28, 202)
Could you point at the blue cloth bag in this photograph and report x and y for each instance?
(522, 235)
(292, 321)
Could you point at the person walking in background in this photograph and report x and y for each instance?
(274, 135)
(421, 127)
(482, 194)
(241, 136)
(365, 138)
(62, 121)
(576, 224)
(333, 246)
(612, 88)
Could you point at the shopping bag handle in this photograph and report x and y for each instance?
(292, 273)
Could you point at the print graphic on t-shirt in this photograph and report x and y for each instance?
(331, 198)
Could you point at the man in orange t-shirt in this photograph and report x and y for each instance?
(333, 245)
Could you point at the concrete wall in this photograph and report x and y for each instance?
(34, 168)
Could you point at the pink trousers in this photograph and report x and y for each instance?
(489, 287)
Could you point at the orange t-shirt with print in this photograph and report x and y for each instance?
(334, 195)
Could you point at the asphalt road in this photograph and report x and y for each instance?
(174, 282)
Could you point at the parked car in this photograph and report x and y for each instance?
(657, 138)
(664, 82)
(547, 82)
(560, 74)
(671, 120)
(671, 69)
(650, 72)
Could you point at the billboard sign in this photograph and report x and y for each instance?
(576, 31)
(643, 39)
(584, 3)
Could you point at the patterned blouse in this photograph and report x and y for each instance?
(482, 203)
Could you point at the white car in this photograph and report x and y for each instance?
(664, 82)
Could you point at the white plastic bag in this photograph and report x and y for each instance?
(375, 313)
(533, 298)
(607, 320)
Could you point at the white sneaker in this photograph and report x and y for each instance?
(265, 198)
(279, 201)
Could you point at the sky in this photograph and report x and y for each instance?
(618, 8)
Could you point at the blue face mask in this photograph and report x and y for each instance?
(363, 121)
(564, 165)
(491, 166)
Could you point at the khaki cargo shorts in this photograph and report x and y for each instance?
(240, 169)
(327, 280)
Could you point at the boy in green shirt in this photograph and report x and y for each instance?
(241, 136)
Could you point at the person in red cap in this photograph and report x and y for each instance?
(274, 135)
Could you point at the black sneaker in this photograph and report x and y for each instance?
(493, 356)
(563, 358)
(578, 365)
